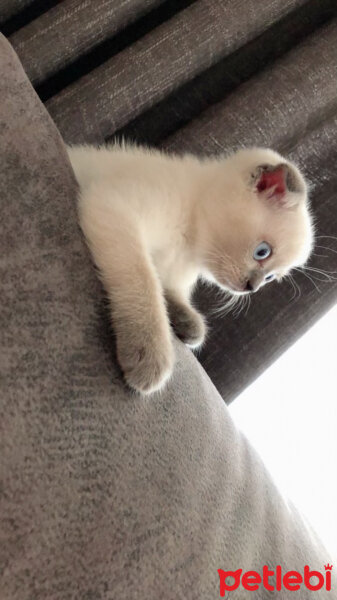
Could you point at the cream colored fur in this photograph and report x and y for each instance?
(155, 223)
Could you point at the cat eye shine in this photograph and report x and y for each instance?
(269, 277)
(262, 251)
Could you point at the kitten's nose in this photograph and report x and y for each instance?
(249, 287)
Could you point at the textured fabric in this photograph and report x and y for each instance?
(221, 79)
(289, 99)
(155, 65)
(70, 29)
(105, 495)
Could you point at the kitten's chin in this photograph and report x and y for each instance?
(226, 285)
(231, 287)
(235, 292)
(238, 292)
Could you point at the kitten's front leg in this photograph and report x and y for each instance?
(139, 317)
(188, 324)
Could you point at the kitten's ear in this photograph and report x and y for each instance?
(282, 184)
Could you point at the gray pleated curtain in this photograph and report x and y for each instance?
(204, 76)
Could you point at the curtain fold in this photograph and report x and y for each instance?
(70, 29)
(277, 107)
(163, 60)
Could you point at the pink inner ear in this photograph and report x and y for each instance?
(273, 181)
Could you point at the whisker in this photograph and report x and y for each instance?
(296, 288)
(249, 300)
(326, 248)
(227, 305)
(240, 305)
(330, 237)
(322, 271)
(310, 279)
(293, 287)
(326, 274)
(233, 303)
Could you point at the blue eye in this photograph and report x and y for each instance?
(262, 251)
(269, 277)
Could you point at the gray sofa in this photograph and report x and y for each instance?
(105, 495)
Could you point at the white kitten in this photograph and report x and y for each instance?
(155, 223)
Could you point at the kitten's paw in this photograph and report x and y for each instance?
(187, 323)
(146, 365)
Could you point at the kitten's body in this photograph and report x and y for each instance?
(153, 190)
(155, 223)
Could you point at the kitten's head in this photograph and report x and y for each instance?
(258, 223)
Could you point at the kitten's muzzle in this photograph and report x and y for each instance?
(254, 282)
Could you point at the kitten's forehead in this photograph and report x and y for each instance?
(291, 234)
(250, 158)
